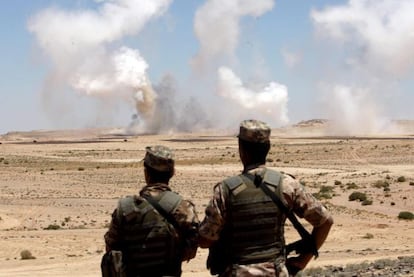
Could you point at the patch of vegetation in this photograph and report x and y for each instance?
(351, 185)
(357, 196)
(326, 189)
(52, 227)
(411, 183)
(406, 215)
(381, 184)
(81, 168)
(26, 255)
(337, 183)
(366, 202)
(325, 192)
(368, 236)
(401, 179)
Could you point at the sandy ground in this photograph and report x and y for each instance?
(59, 188)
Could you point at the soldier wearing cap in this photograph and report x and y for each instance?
(243, 228)
(156, 230)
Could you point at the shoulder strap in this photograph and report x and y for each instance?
(126, 206)
(272, 177)
(166, 205)
(298, 226)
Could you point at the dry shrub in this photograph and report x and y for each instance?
(401, 179)
(26, 255)
(357, 196)
(406, 215)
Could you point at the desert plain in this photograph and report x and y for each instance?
(59, 188)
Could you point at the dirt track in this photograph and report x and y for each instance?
(58, 190)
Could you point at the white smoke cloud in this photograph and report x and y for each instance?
(375, 39)
(352, 110)
(267, 103)
(84, 49)
(216, 25)
(382, 32)
(80, 46)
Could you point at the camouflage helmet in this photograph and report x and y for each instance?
(159, 158)
(254, 131)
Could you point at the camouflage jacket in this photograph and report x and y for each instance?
(185, 215)
(294, 196)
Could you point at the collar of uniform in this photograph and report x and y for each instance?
(251, 167)
(154, 189)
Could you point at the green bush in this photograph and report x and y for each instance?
(357, 196)
(406, 215)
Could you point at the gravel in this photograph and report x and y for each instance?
(400, 267)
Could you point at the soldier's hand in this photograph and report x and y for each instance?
(297, 263)
(293, 266)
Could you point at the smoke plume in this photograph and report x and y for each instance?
(268, 103)
(81, 46)
(217, 27)
(375, 39)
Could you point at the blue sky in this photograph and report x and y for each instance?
(294, 60)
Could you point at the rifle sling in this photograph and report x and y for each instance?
(298, 226)
(305, 235)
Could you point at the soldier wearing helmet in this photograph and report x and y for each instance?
(244, 228)
(156, 230)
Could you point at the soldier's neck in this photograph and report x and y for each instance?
(248, 167)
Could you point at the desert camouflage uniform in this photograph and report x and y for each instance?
(185, 214)
(294, 197)
(160, 158)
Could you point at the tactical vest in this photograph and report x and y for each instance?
(255, 223)
(149, 241)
